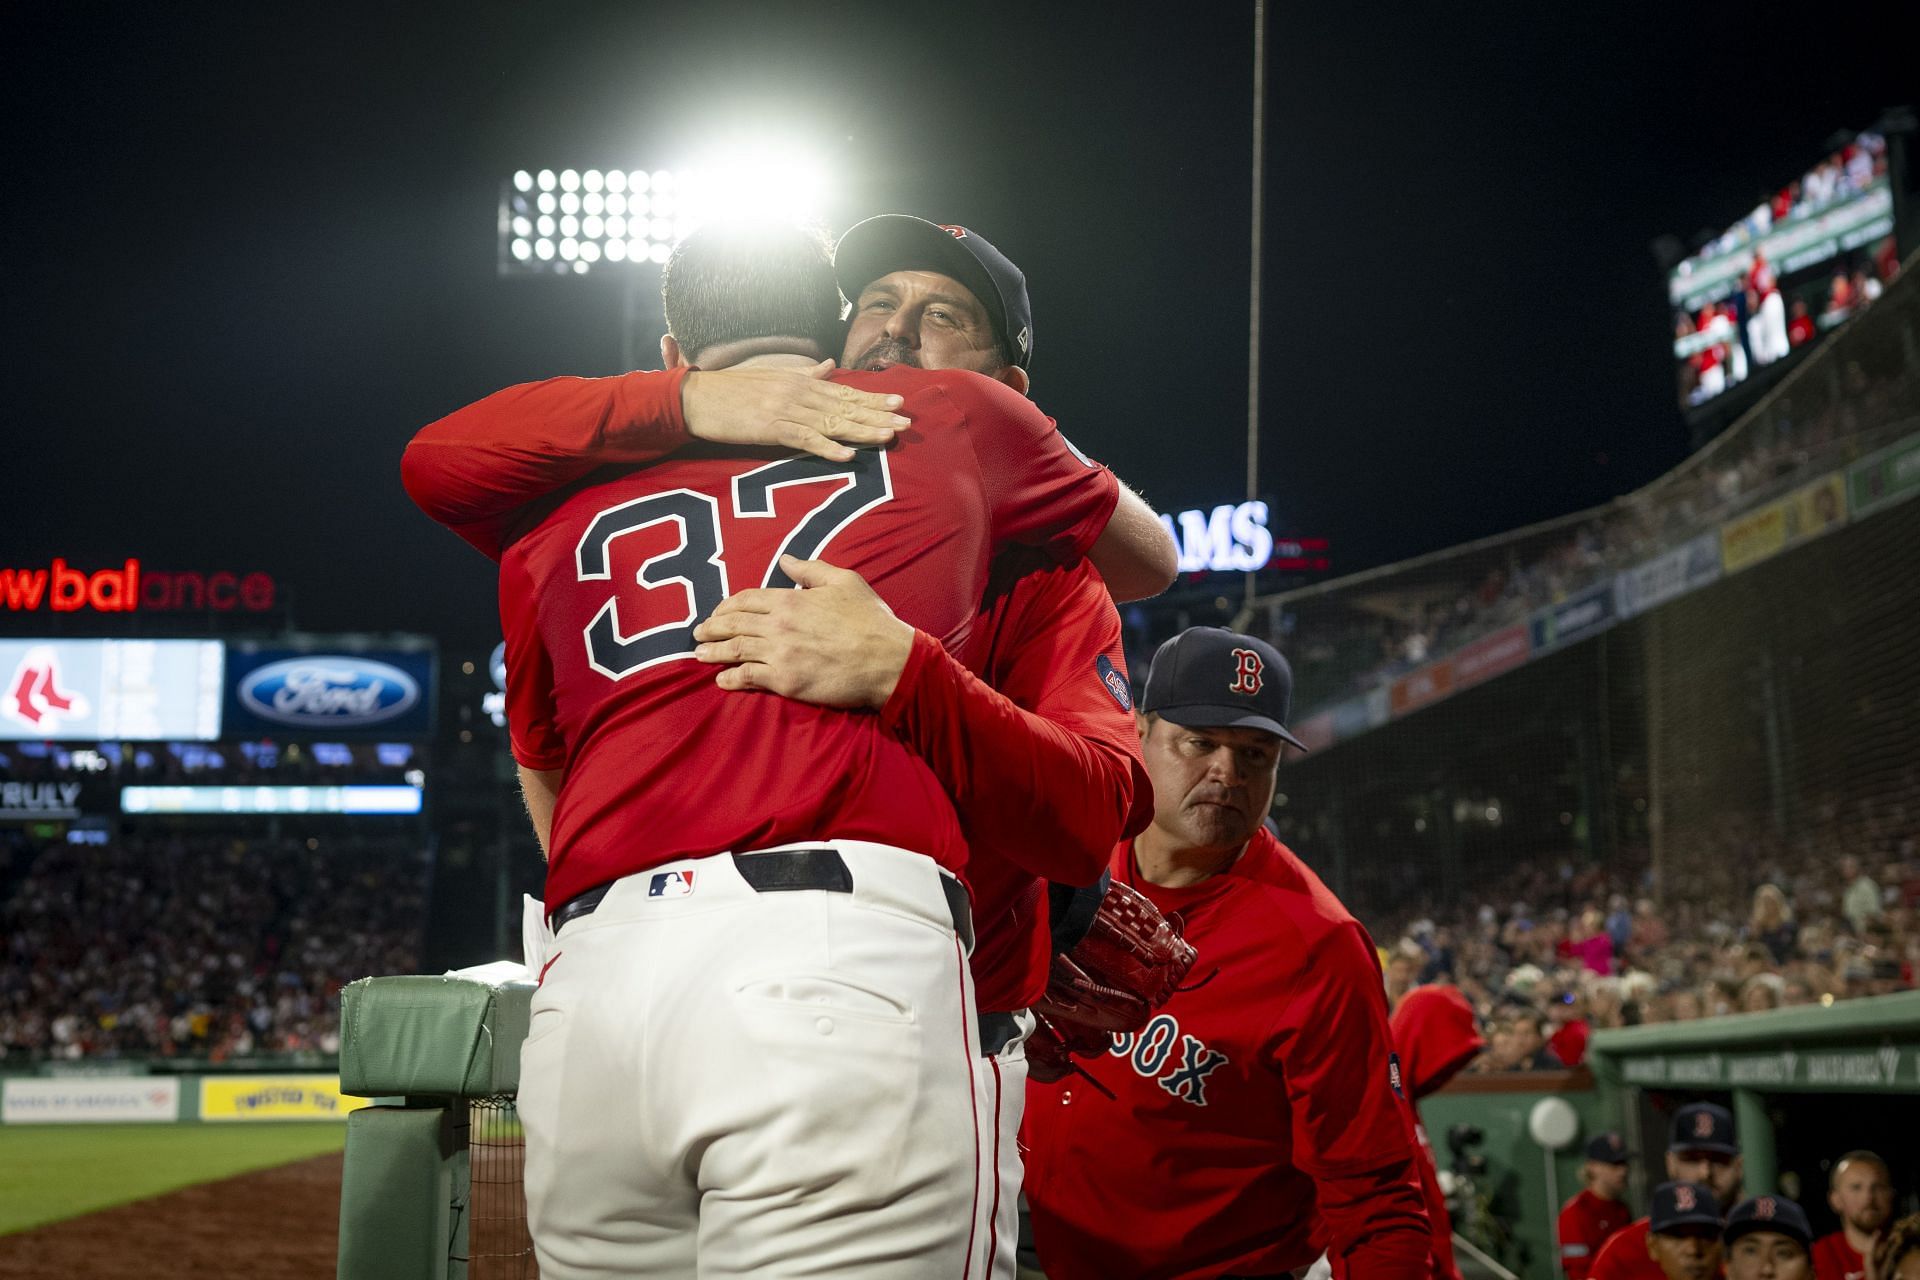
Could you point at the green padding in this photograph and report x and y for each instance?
(403, 1195)
(427, 1036)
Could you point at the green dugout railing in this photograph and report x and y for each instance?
(432, 1052)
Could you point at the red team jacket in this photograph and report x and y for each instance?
(1255, 1120)
(1587, 1222)
(1035, 790)
(1835, 1259)
(1436, 1035)
(661, 764)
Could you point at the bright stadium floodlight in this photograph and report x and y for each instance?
(576, 221)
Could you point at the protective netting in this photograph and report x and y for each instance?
(499, 1247)
(1646, 712)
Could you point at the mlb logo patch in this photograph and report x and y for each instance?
(670, 884)
(1393, 1073)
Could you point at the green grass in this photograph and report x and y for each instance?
(52, 1172)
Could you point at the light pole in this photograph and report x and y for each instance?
(577, 222)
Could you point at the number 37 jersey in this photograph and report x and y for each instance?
(599, 601)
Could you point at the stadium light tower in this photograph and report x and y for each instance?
(576, 222)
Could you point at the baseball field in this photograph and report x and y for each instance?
(255, 1200)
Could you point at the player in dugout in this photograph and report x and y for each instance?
(1860, 1192)
(1683, 1233)
(1767, 1238)
(1701, 1148)
(1258, 1119)
(1043, 794)
(1599, 1210)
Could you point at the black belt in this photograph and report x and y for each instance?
(783, 870)
(997, 1031)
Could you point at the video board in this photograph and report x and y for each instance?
(134, 690)
(1803, 262)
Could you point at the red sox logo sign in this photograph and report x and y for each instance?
(1702, 1125)
(1763, 1208)
(1684, 1199)
(1247, 677)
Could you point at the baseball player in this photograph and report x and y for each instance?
(830, 1120)
(1683, 1242)
(1038, 798)
(1700, 1150)
(1257, 1119)
(1436, 1035)
(1598, 1211)
(1860, 1192)
(1767, 1238)
(1016, 762)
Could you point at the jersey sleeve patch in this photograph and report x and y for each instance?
(1115, 682)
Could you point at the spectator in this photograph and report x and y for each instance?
(1772, 924)
(1860, 901)
(1571, 1028)
(1519, 1040)
(1860, 1193)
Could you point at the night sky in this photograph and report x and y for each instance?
(251, 249)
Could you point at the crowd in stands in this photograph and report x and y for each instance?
(203, 945)
(1346, 643)
(1555, 951)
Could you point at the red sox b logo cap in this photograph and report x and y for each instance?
(1684, 1198)
(1246, 672)
(1210, 677)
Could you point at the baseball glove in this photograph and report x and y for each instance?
(1127, 964)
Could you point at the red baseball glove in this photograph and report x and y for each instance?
(1128, 964)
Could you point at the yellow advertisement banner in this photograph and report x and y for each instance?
(1818, 507)
(275, 1098)
(1753, 537)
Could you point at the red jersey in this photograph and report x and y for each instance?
(1835, 1259)
(1587, 1222)
(599, 601)
(1046, 772)
(1255, 1120)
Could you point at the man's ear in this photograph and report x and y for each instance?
(1143, 724)
(1016, 377)
(671, 357)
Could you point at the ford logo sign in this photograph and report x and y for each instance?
(335, 691)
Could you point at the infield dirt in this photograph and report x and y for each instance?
(275, 1224)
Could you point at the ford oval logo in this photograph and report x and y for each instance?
(329, 690)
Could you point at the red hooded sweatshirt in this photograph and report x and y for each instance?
(1435, 1034)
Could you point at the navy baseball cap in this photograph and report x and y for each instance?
(901, 242)
(1769, 1213)
(1607, 1149)
(1213, 678)
(1682, 1204)
(1703, 1126)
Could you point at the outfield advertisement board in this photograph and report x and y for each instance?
(275, 1098)
(89, 690)
(1688, 567)
(329, 693)
(90, 1100)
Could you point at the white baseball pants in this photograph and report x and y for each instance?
(724, 1082)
